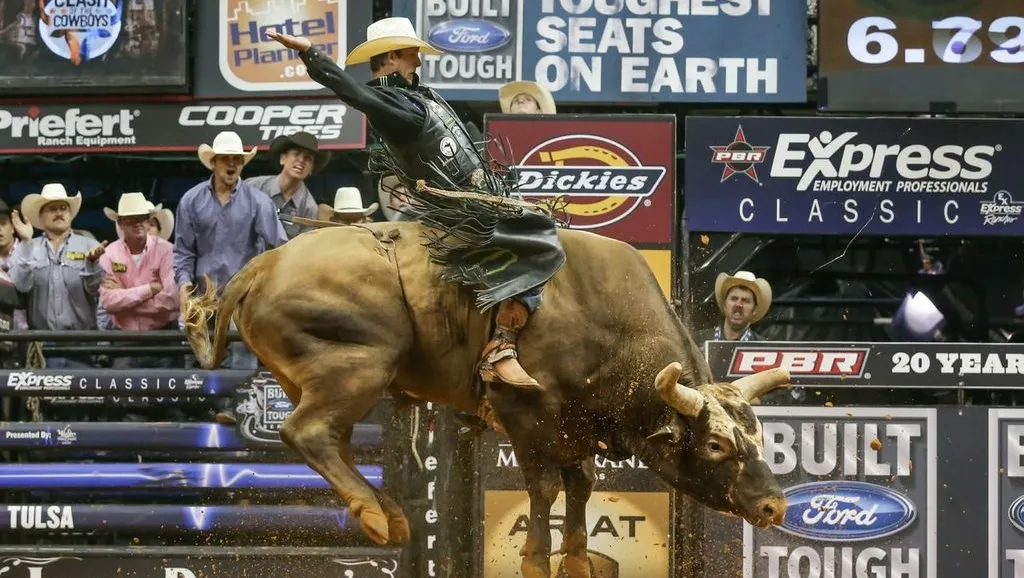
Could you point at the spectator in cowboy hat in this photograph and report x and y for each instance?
(222, 223)
(526, 97)
(300, 157)
(58, 269)
(743, 300)
(139, 291)
(348, 208)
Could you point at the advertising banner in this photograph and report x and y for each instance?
(629, 517)
(1005, 493)
(240, 61)
(861, 485)
(181, 563)
(615, 175)
(173, 126)
(921, 56)
(874, 365)
(98, 46)
(846, 176)
(587, 51)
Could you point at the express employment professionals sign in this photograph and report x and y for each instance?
(884, 365)
(616, 50)
(817, 175)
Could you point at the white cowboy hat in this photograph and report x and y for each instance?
(133, 204)
(508, 92)
(32, 204)
(761, 288)
(386, 35)
(347, 201)
(227, 143)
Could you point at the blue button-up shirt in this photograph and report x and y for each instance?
(63, 286)
(217, 240)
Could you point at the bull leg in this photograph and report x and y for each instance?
(319, 430)
(542, 484)
(398, 524)
(579, 482)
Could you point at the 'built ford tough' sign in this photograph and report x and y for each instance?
(846, 176)
(614, 51)
(861, 485)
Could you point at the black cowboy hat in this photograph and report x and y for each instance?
(302, 140)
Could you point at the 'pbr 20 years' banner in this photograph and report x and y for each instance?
(615, 175)
(173, 126)
(876, 176)
(874, 365)
(613, 51)
(239, 60)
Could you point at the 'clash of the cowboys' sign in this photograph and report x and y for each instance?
(611, 50)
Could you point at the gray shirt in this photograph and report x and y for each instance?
(217, 240)
(63, 286)
(301, 204)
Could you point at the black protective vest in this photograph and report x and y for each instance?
(444, 154)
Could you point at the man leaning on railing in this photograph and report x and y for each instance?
(139, 291)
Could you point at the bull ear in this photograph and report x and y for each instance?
(670, 434)
(758, 384)
(687, 401)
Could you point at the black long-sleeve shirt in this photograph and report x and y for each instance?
(390, 113)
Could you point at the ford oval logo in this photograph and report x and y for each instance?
(1016, 514)
(845, 511)
(469, 35)
(281, 404)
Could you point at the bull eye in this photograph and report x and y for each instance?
(715, 447)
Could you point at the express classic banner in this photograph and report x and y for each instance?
(95, 46)
(240, 61)
(604, 51)
(173, 126)
(629, 518)
(874, 365)
(611, 175)
(846, 175)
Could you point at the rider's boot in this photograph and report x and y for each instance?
(500, 359)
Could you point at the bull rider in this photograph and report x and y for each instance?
(465, 200)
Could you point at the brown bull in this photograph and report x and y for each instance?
(341, 315)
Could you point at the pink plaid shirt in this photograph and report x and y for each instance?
(135, 308)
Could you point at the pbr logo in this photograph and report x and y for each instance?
(739, 157)
(80, 31)
(861, 486)
(264, 407)
(600, 180)
(822, 362)
(251, 62)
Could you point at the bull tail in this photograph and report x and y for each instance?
(198, 309)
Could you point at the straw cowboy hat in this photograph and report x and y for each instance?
(386, 35)
(227, 143)
(135, 204)
(347, 201)
(508, 92)
(33, 204)
(761, 288)
(303, 140)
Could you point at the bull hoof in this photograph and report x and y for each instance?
(398, 530)
(374, 524)
(535, 566)
(577, 566)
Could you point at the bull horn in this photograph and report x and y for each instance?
(685, 400)
(758, 384)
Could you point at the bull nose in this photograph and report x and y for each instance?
(773, 509)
